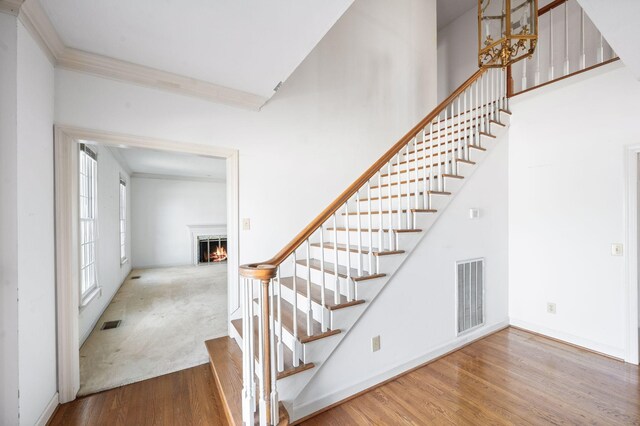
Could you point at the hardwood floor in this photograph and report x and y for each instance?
(187, 397)
(511, 377)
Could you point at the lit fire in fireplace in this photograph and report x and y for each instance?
(218, 255)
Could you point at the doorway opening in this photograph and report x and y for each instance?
(132, 216)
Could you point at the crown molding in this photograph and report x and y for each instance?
(11, 7)
(176, 177)
(33, 16)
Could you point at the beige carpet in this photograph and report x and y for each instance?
(166, 314)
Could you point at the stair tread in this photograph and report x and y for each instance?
(476, 147)
(435, 155)
(304, 335)
(400, 231)
(289, 369)
(342, 270)
(392, 211)
(354, 249)
(226, 362)
(427, 166)
(316, 293)
(404, 182)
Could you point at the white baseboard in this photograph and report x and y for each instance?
(307, 408)
(48, 411)
(569, 338)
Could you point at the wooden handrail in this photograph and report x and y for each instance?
(267, 269)
(550, 6)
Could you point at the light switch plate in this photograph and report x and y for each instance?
(474, 214)
(551, 308)
(246, 224)
(375, 344)
(616, 249)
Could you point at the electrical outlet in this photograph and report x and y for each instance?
(246, 224)
(375, 344)
(474, 214)
(551, 308)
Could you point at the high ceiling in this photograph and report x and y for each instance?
(449, 10)
(152, 162)
(248, 45)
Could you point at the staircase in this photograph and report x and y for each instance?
(298, 306)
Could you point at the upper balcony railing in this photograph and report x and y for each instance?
(568, 44)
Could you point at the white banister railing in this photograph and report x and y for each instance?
(561, 23)
(387, 199)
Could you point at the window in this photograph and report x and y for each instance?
(88, 208)
(123, 220)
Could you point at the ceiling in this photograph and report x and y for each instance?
(165, 163)
(247, 45)
(449, 10)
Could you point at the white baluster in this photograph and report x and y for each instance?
(390, 204)
(336, 293)
(406, 156)
(551, 70)
(440, 180)
(432, 154)
(461, 130)
(381, 224)
(272, 355)
(348, 232)
(425, 188)
(323, 289)
(399, 182)
(370, 232)
(296, 355)
(309, 309)
(583, 55)
(467, 125)
(566, 38)
(417, 170)
(447, 166)
(536, 77)
(359, 233)
(524, 75)
(601, 49)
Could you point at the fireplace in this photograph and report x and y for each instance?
(212, 249)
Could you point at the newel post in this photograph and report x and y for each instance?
(268, 399)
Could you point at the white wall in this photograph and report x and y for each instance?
(111, 273)
(35, 248)
(161, 211)
(567, 205)
(370, 79)
(8, 222)
(457, 52)
(415, 314)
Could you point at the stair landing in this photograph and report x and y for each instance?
(226, 363)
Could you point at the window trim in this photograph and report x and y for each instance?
(122, 217)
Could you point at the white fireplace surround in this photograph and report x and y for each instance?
(203, 231)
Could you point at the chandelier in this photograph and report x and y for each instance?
(507, 31)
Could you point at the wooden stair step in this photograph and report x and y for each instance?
(354, 249)
(420, 149)
(399, 231)
(428, 156)
(404, 182)
(342, 270)
(316, 293)
(439, 133)
(226, 362)
(304, 335)
(289, 369)
(427, 166)
(392, 212)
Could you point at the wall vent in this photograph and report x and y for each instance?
(470, 294)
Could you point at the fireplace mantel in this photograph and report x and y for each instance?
(202, 231)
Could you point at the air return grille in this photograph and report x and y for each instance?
(470, 294)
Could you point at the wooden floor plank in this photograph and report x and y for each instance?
(509, 378)
(187, 397)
